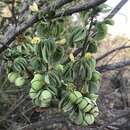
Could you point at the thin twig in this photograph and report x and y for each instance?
(86, 6)
(111, 51)
(14, 107)
(110, 59)
(86, 41)
(13, 13)
(117, 8)
(114, 66)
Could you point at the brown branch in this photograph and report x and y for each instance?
(89, 5)
(114, 66)
(86, 41)
(111, 51)
(117, 8)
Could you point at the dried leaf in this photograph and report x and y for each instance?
(6, 12)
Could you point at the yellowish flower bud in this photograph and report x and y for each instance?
(71, 56)
(34, 7)
(35, 40)
(88, 55)
(61, 42)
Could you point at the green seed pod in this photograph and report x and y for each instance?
(38, 77)
(79, 120)
(44, 104)
(78, 100)
(37, 85)
(37, 82)
(84, 123)
(45, 96)
(96, 76)
(90, 105)
(32, 93)
(93, 97)
(59, 68)
(12, 76)
(89, 118)
(83, 104)
(94, 86)
(36, 102)
(67, 107)
(19, 81)
(74, 96)
(95, 111)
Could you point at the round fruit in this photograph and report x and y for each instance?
(12, 76)
(38, 77)
(95, 111)
(59, 68)
(37, 85)
(74, 96)
(96, 76)
(32, 93)
(19, 81)
(89, 118)
(83, 104)
(89, 106)
(45, 96)
(37, 102)
(37, 82)
(43, 104)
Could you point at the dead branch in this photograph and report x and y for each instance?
(114, 66)
(117, 8)
(88, 5)
(111, 51)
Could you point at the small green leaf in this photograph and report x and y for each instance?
(101, 28)
(45, 54)
(109, 21)
(58, 54)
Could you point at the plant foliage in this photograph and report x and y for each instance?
(44, 57)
